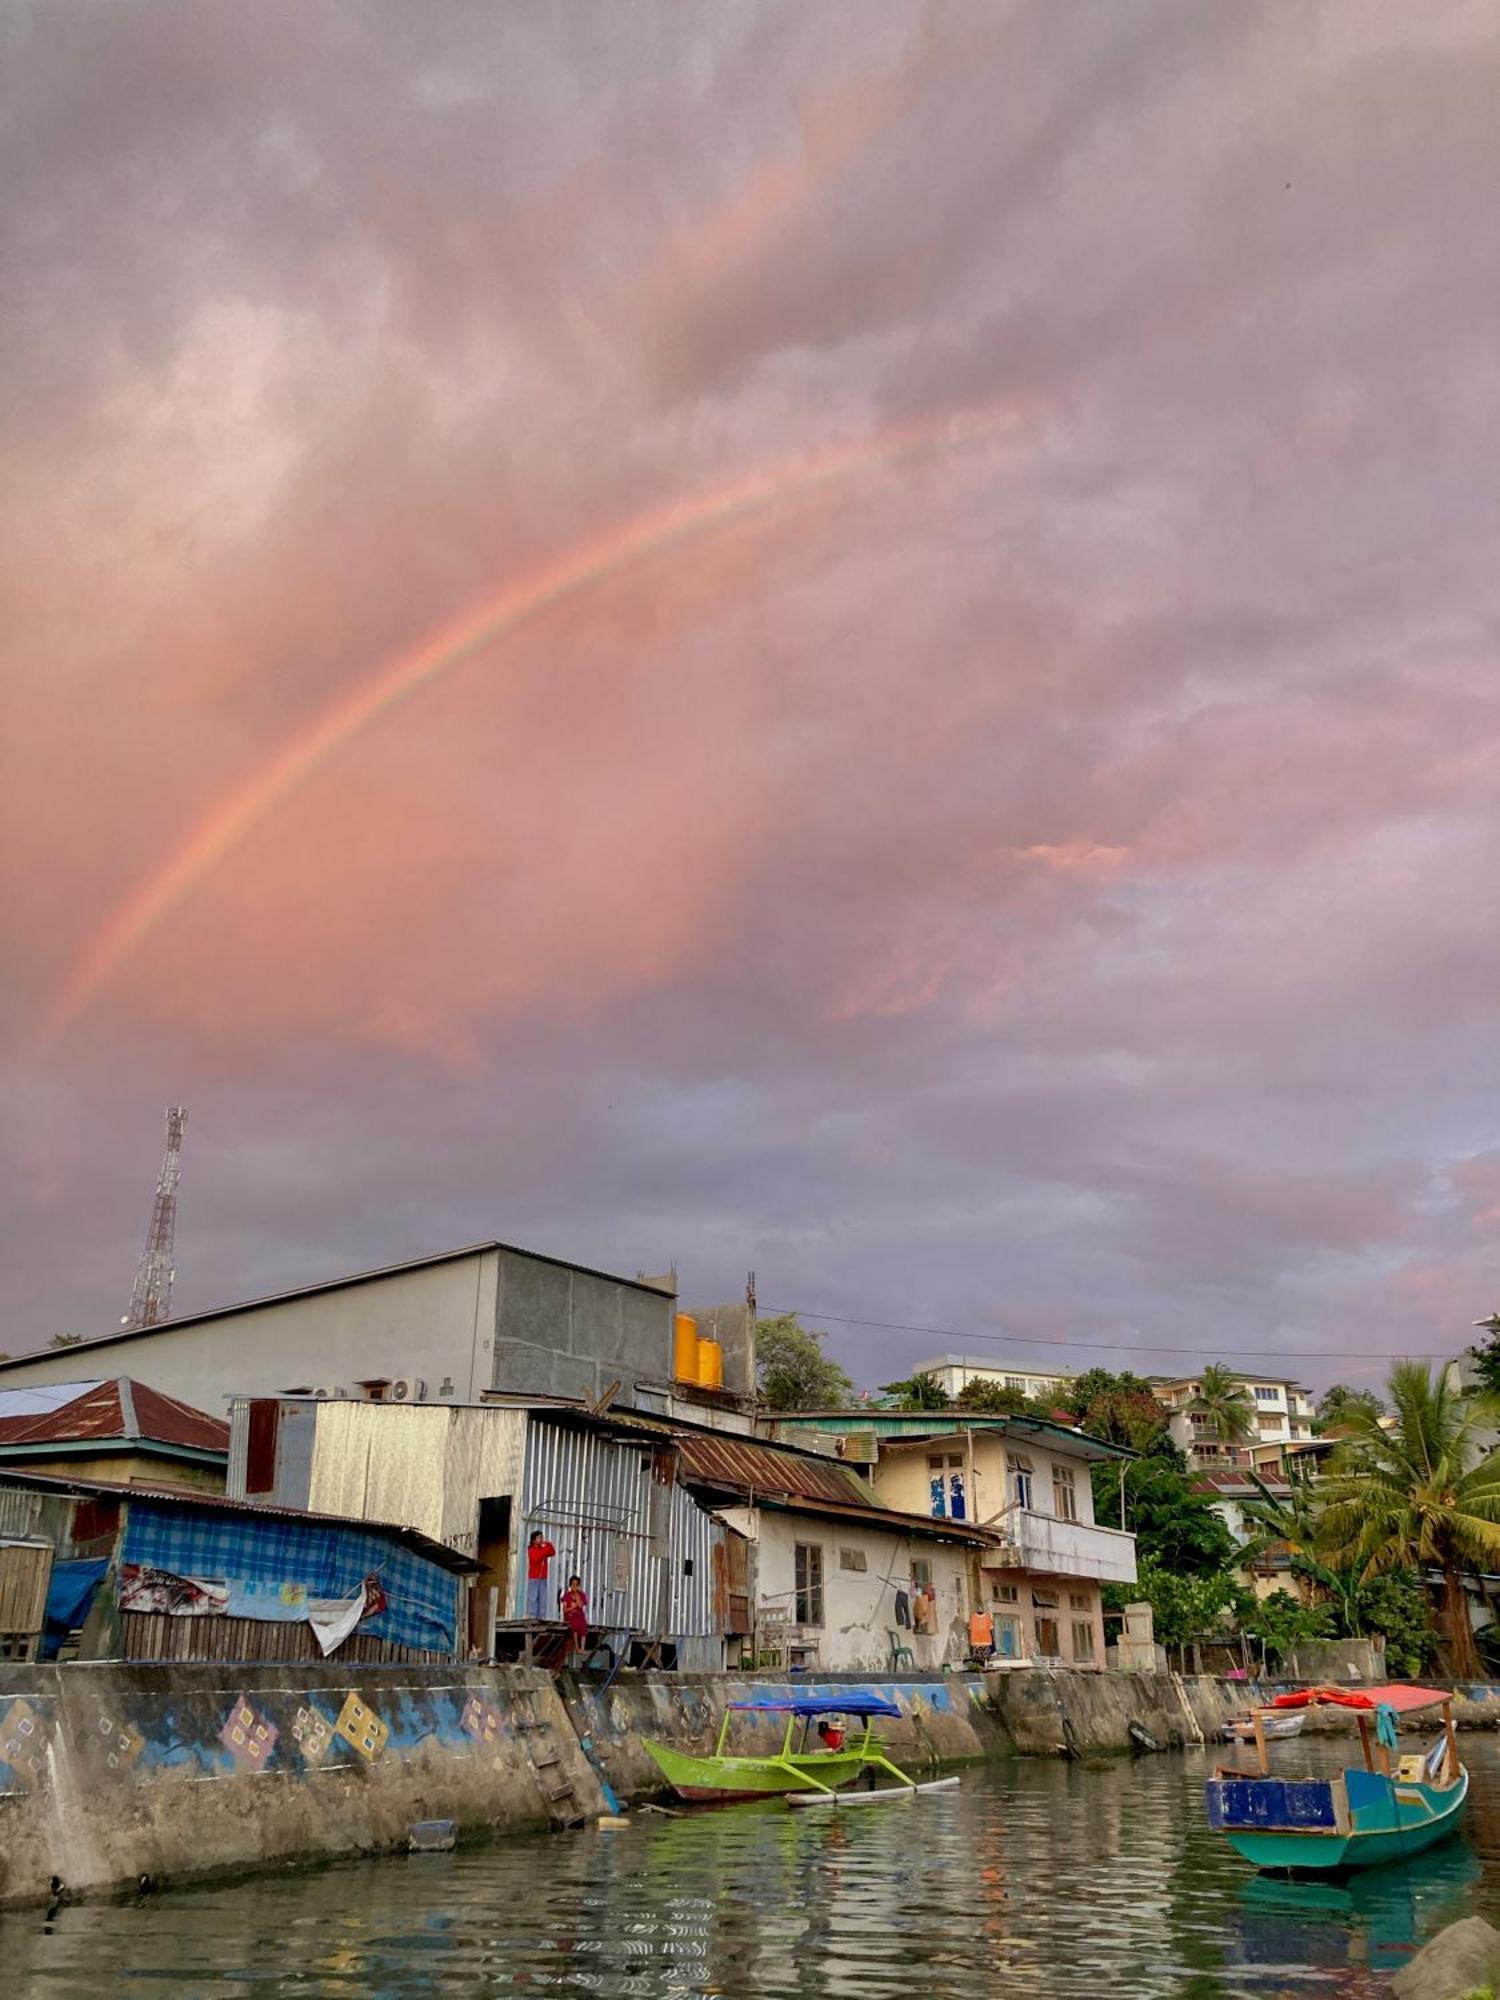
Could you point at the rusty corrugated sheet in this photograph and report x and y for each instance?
(761, 1468)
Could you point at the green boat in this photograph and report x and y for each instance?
(817, 1775)
(1393, 1807)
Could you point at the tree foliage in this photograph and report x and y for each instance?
(1485, 1355)
(1337, 1405)
(1183, 1608)
(917, 1392)
(66, 1340)
(1174, 1527)
(1279, 1621)
(1397, 1606)
(792, 1371)
(992, 1399)
(1224, 1402)
(1424, 1495)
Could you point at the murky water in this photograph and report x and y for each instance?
(1032, 1878)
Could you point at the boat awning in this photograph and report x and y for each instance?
(1399, 1697)
(855, 1702)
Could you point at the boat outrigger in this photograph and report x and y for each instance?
(1393, 1807)
(802, 1776)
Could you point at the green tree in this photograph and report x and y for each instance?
(1279, 1622)
(1223, 1400)
(1086, 1388)
(1289, 1522)
(1335, 1405)
(1174, 1526)
(1121, 1416)
(918, 1392)
(1183, 1608)
(1424, 1495)
(792, 1371)
(992, 1399)
(66, 1340)
(1486, 1356)
(1398, 1607)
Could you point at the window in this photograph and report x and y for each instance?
(1020, 1480)
(1064, 1493)
(1265, 1395)
(807, 1575)
(1005, 1593)
(1083, 1640)
(1078, 1600)
(1014, 1382)
(956, 1462)
(921, 1573)
(852, 1559)
(935, 1461)
(1048, 1639)
(1044, 1600)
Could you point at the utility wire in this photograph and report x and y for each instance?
(1097, 1346)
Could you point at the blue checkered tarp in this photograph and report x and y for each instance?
(245, 1548)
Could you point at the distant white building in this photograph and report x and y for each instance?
(1283, 1416)
(953, 1372)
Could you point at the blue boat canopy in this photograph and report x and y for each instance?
(855, 1702)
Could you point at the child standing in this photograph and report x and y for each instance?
(575, 1611)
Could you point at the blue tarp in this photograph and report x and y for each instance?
(856, 1702)
(246, 1549)
(68, 1596)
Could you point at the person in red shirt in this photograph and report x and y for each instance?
(575, 1611)
(539, 1554)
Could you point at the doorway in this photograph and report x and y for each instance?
(487, 1593)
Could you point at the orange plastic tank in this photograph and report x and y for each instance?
(710, 1365)
(685, 1349)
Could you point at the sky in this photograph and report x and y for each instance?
(856, 642)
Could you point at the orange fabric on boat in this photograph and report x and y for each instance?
(1398, 1698)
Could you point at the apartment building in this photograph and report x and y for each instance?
(1282, 1416)
(953, 1372)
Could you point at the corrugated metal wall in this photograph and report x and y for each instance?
(613, 1509)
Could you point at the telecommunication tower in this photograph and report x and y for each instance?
(151, 1300)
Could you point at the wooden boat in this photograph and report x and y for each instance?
(821, 1774)
(1276, 1727)
(1393, 1807)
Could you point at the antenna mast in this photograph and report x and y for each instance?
(151, 1300)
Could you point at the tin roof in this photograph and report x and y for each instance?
(121, 1489)
(115, 1411)
(718, 1458)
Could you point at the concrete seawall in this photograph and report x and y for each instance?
(112, 1772)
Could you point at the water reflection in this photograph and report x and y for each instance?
(1032, 1879)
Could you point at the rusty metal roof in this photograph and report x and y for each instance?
(118, 1410)
(724, 1459)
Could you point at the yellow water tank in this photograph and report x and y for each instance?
(685, 1349)
(710, 1365)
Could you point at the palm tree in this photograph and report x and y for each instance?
(1423, 1495)
(1291, 1522)
(1222, 1399)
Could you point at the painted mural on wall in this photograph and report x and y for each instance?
(248, 1733)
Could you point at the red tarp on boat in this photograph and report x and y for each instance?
(1398, 1698)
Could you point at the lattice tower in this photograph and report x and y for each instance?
(151, 1300)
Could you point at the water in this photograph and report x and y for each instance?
(1033, 1878)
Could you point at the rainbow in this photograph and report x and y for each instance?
(582, 568)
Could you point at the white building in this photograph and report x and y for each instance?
(1282, 1415)
(953, 1372)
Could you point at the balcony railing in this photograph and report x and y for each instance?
(1064, 1548)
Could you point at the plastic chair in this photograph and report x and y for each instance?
(900, 1655)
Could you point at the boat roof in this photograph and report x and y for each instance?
(856, 1702)
(1398, 1695)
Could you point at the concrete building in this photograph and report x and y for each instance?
(118, 1429)
(831, 1572)
(606, 1491)
(1228, 1489)
(440, 1329)
(1028, 1485)
(1283, 1415)
(953, 1372)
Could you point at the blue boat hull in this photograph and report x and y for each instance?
(1355, 1821)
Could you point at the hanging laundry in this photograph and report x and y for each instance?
(903, 1610)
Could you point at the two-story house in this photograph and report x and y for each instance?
(1028, 1484)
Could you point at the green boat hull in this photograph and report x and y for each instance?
(1378, 1821)
(718, 1780)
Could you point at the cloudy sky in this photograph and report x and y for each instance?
(854, 640)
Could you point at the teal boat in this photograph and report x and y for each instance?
(1391, 1808)
(806, 1776)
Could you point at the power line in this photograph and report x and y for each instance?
(1096, 1346)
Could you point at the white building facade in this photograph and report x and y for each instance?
(1282, 1415)
(953, 1372)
